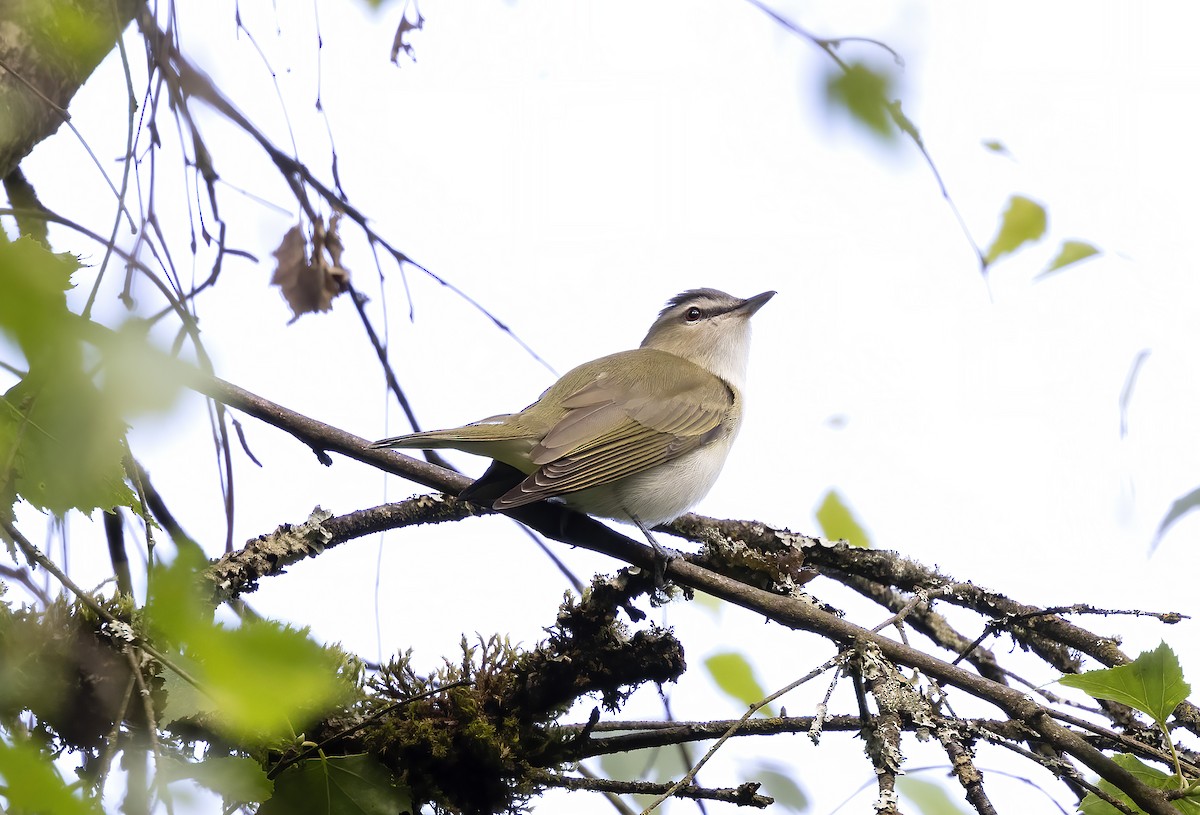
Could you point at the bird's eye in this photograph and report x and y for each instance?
(693, 314)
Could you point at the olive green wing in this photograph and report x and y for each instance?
(617, 425)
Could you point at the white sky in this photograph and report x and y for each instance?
(571, 166)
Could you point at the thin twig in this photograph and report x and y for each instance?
(745, 795)
(128, 161)
(673, 789)
(178, 73)
(349, 731)
(32, 554)
(613, 798)
(829, 46)
(66, 118)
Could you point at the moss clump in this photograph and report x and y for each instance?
(469, 738)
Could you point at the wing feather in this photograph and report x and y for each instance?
(615, 427)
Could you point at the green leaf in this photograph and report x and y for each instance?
(1153, 683)
(61, 427)
(65, 441)
(1182, 506)
(138, 377)
(61, 432)
(733, 674)
(780, 785)
(268, 680)
(260, 680)
(350, 785)
(29, 782)
(711, 604)
(996, 146)
(1094, 805)
(838, 522)
(184, 701)
(176, 609)
(864, 93)
(236, 778)
(1023, 221)
(929, 798)
(1070, 252)
(34, 280)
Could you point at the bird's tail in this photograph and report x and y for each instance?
(428, 440)
(494, 437)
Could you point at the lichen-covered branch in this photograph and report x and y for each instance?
(743, 795)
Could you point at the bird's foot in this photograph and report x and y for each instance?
(662, 557)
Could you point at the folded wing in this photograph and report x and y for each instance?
(617, 426)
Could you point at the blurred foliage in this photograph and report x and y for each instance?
(260, 681)
(838, 522)
(62, 438)
(135, 376)
(734, 675)
(637, 764)
(1180, 507)
(34, 280)
(996, 146)
(927, 797)
(865, 93)
(711, 604)
(657, 765)
(1071, 252)
(55, 664)
(31, 783)
(779, 782)
(235, 778)
(1023, 221)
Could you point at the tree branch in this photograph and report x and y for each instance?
(744, 795)
(1051, 637)
(791, 608)
(37, 83)
(805, 616)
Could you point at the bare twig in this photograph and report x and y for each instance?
(829, 45)
(788, 610)
(32, 554)
(66, 118)
(745, 795)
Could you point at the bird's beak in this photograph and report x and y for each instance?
(753, 304)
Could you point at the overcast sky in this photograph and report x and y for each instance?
(572, 165)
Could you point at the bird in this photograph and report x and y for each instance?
(638, 436)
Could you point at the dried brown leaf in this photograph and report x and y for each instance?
(309, 282)
(398, 44)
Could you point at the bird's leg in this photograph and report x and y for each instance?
(661, 556)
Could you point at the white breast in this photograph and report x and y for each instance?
(659, 494)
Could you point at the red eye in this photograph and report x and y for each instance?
(693, 314)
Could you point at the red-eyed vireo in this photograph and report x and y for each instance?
(639, 436)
